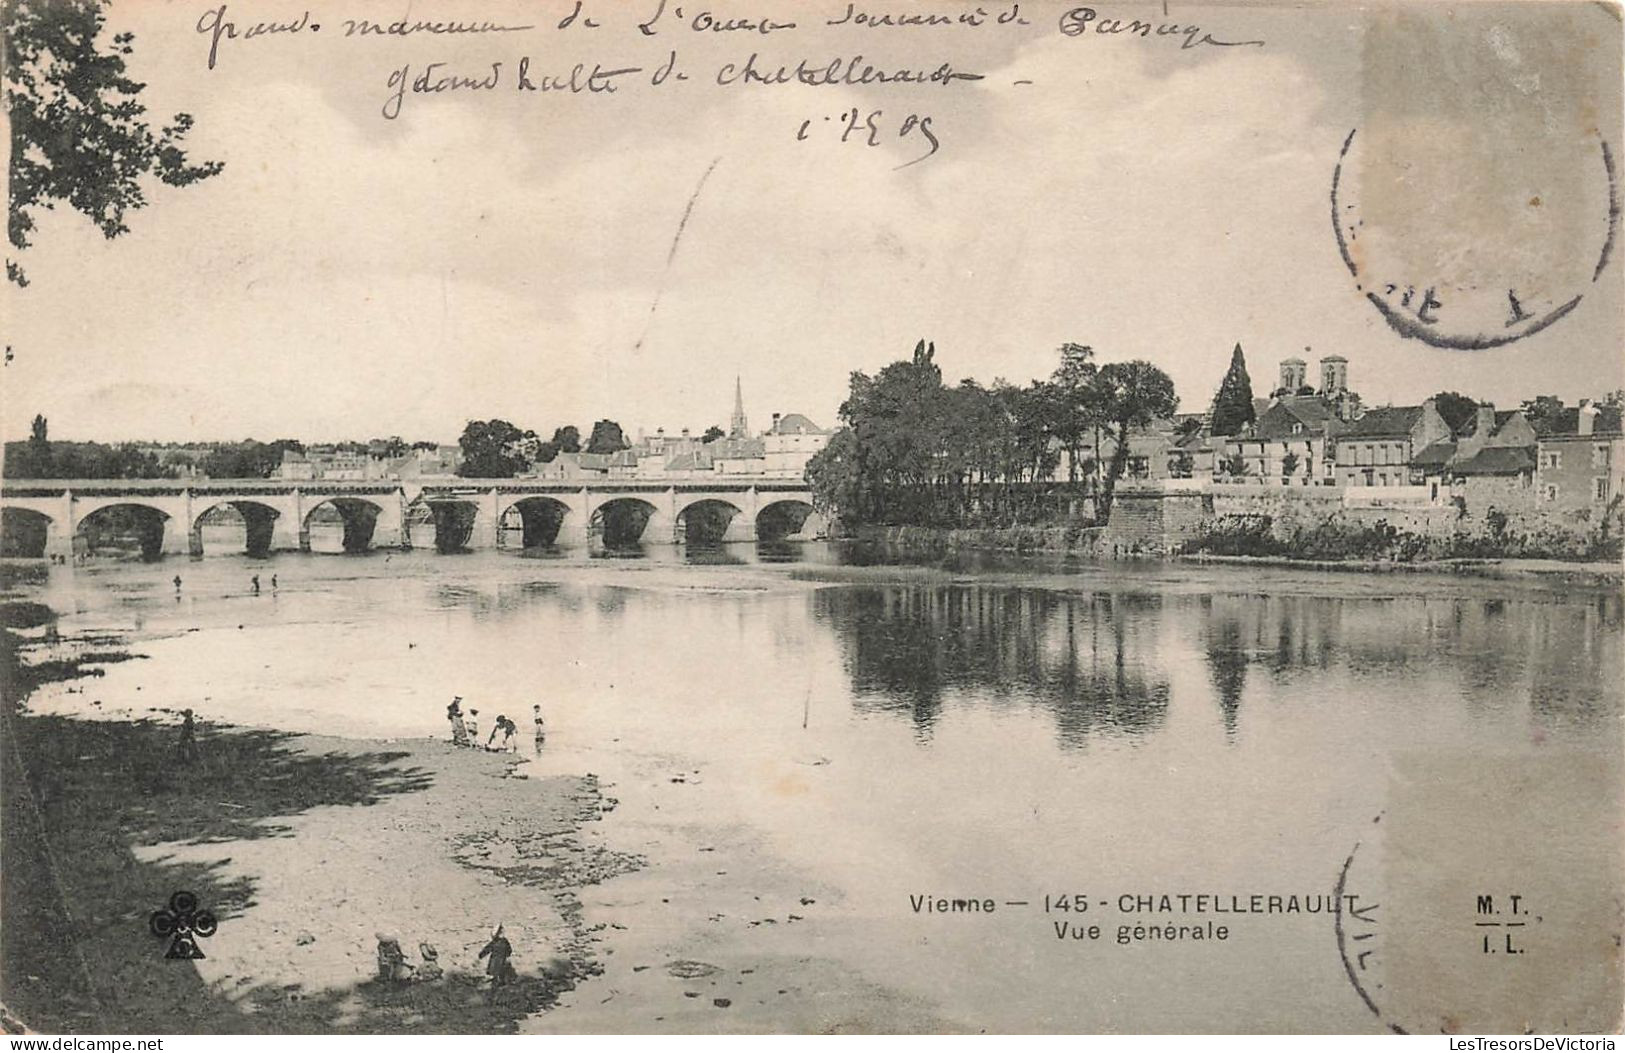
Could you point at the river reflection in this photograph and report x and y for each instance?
(1089, 661)
(1099, 663)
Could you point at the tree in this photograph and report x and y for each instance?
(78, 136)
(394, 446)
(1289, 464)
(606, 438)
(835, 477)
(247, 459)
(1076, 413)
(490, 450)
(39, 449)
(1542, 412)
(712, 434)
(566, 439)
(1233, 406)
(1457, 409)
(1233, 465)
(1133, 394)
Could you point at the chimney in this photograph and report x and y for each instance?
(1586, 417)
(1484, 421)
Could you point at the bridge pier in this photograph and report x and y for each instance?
(661, 529)
(814, 527)
(288, 533)
(389, 529)
(742, 527)
(59, 534)
(487, 532)
(575, 529)
(178, 539)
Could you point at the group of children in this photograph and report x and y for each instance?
(465, 729)
(394, 968)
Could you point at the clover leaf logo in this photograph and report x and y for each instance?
(183, 924)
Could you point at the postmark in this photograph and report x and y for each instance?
(1359, 937)
(1425, 288)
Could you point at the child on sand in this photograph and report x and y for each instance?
(392, 964)
(430, 969)
(474, 726)
(506, 728)
(541, 731)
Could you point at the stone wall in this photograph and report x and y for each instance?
(1154, 523)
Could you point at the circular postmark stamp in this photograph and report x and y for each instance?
(1356, 920)
(1466, 256)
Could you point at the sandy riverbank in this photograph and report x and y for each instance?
(304, 847)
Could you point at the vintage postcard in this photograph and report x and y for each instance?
(627, 516)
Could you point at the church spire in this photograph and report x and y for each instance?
(737, 428)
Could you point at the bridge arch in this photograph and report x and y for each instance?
(125, 525)
(625, 521)
(454, 523)
(713, 520)
(25, 533)
(259, 524)
(539, 521)
(790, 519)
(358, 517)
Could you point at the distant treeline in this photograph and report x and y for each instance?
(40, 457)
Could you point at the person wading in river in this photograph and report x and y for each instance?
(507, 729)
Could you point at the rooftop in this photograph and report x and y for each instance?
(1566, 423)
(1386, 422)
(1496, 460)
(794, 424)
(1436, 455)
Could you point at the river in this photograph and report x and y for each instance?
(805, 740)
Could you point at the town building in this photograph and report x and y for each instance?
(429, 462)
(331, 462)
(1377, 449)
(1578, 459)
(1293, 441)
(732, 456)
(790, 443)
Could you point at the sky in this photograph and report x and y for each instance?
(554, 258)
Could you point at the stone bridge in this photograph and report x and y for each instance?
(464, 513)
